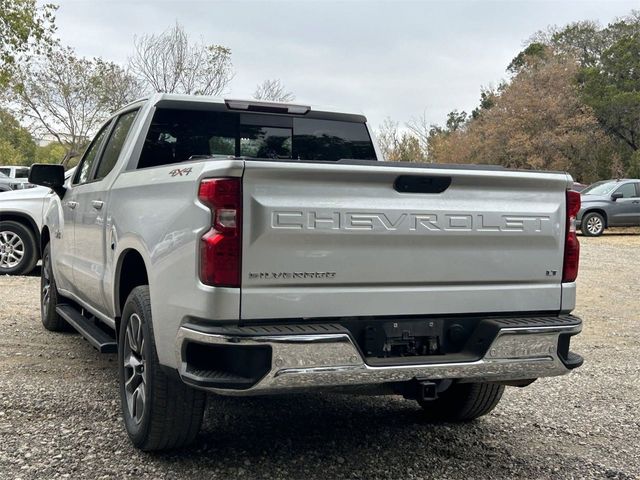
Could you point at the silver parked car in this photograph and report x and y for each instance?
(609, 203)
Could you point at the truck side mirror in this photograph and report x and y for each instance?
(48, 175)
(616, 195)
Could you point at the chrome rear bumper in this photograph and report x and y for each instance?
(306, 361)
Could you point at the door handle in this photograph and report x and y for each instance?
(97, 204)
(636, 201)
(71, 204)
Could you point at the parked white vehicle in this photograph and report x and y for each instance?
(18, 175)
(20, 226)
(245, 247)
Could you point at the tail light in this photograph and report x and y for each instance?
(220, 247)
(571, 244)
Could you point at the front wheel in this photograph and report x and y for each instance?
(160, 412)
(49, 296)
(18, 249)
(463, 402)
(592, 225)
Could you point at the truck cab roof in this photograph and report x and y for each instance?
(204, 102)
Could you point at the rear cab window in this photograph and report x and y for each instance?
(179, 135)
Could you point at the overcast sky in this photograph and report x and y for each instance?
(387, 59)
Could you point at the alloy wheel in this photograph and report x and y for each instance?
(135, 375)
(594, 225)
(46, 285)
(11, 249)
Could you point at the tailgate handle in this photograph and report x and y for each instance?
(421, 184)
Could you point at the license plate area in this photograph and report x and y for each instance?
(395, 341)
(403, 339)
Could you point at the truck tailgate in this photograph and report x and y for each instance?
(339, 239)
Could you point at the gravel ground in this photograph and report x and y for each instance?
(59, 414)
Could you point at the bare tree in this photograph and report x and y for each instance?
(274, 91)
(421, 129)
(170, 62)
(67, 97)
(118, 85)
(399, 146)
(388, 137)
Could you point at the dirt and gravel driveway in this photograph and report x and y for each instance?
(59, 413)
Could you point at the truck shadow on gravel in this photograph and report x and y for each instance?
(328, 435)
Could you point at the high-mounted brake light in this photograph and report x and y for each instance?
(267, 107)
(571, 245)
(220, 247)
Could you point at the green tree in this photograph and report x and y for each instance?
(612, 89)
(488, 98)
(17, 145)
(456, 120)
(533, 53)
(584, 41)
(66, 97)
(52, 153)
(24, 28)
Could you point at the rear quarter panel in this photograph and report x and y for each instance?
(156, 212)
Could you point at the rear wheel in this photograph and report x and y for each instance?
(592, 225)
(160, 412)
(463, 402)
(18, 249)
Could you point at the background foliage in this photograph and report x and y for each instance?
(570, 101)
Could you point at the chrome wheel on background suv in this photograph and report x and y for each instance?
(593, 224)
(11, 249)
(18, 248)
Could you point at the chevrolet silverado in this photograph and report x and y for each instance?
(244, 248)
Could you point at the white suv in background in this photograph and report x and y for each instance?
(18, 176)
(20, 225)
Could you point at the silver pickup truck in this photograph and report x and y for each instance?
(245, 248)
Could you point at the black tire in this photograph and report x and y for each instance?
(49, 296)
(25, 239)
(463, 402)
(593, 224)
(171, 413)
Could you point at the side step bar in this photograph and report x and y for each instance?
(97, 337)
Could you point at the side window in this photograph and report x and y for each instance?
(114, 145)
(181, 135)
(628, 190)
(5, 171)
(90, 156)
